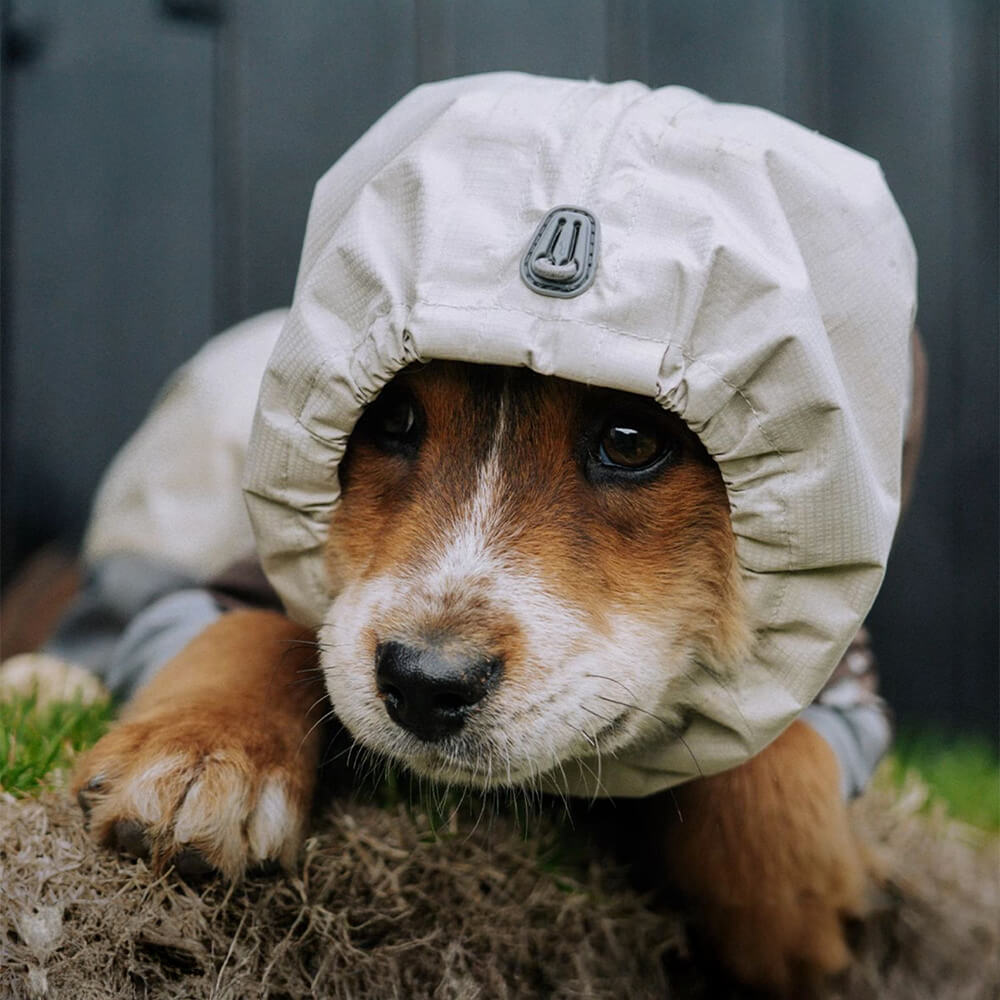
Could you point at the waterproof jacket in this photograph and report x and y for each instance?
(750, 275)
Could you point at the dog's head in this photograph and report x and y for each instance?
(524, 567)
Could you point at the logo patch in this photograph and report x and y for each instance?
(562, 256)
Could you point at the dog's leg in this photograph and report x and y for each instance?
(765, 857)
(213, 765)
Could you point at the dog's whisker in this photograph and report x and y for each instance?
(303, 677)
(598, 715)
(599, 788)
(323, 718)
(463, 794)
(672, 726)
(557, 762)
(599, 778)
(691, 754)
(563, 794)
(323, 697)
(484, 801)
(316, 669)
(595, 743)
(314, 644)
(346, 752)
(677, 805)
(614, 680)
(638, 708)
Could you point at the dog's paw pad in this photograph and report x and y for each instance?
(130, 837)
(191, 865)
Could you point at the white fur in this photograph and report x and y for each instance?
(274, 825)
(213, 812)
(214, 802)
(151, 792)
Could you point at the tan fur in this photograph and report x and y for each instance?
(218, 733)
(765, 857)
(218, 753)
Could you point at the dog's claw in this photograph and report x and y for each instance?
(94, 787)
(83, 801)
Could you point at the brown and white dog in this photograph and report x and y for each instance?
(522, 566)
(523, 577)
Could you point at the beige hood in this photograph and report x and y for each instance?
(752, 276)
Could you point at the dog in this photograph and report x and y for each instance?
(510, 619)
(531, 581)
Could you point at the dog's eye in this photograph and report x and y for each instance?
(627, 446)
(631, 445)
(392, 423)
(397, 418)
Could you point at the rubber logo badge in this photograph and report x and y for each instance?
(562, 256)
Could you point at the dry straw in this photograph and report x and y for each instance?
(383, 908)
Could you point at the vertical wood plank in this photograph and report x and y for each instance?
(806, 59)
(975, 396)
(628, 40)
(435, 38)
(108, 243)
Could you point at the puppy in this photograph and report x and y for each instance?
(522, 566)
(577, 463)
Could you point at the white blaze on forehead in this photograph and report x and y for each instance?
(468, 551)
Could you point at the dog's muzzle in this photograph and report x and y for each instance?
(431, 693)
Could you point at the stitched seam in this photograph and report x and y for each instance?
(541, 316)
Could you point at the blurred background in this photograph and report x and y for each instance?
(158, 158)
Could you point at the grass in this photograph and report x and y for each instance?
(37, 743)
(962, 772)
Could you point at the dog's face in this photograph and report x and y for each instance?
(524, 568)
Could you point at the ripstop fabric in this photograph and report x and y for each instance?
(752, 276)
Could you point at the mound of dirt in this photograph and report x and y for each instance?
(383, 907)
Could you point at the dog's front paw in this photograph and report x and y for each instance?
(767, 860)
(205, 789)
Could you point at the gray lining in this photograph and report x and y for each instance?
(859, 737)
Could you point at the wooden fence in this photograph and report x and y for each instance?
(158, 159)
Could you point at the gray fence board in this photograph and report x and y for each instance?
(107, 242)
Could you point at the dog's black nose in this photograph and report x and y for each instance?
(430, 693)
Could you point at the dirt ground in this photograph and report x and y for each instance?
(383, 907)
